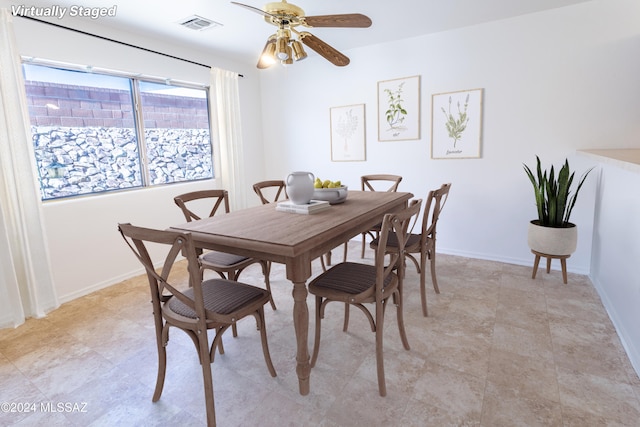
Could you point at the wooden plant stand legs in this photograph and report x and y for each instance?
(563, 263)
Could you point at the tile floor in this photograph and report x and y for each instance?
(498, 349)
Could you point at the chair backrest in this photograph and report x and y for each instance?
(395, 225)
(380, 182)
(270, 191)
(164, 285)
(436, 199)
(216, 198)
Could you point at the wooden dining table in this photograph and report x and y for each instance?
(294, 240)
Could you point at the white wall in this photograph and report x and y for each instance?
(553, 82)
(616, 250)
(87, 253)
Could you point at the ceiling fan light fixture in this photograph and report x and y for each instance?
(298, 51)
(282, 44)
(268, 56)
(271, 50)
(288, 17)
(289, 59)
(281, 48)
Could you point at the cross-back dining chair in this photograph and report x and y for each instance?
(424, 243)
(270, 191)
(357, 284)
(376, 182)
(195, 205)
(192, 305)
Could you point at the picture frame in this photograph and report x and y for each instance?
(348, 143)
(399, 109)
(456, 124)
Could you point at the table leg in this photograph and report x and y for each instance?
(301, 325)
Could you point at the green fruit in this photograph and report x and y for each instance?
(326, 183)
(337, 184)
(317, 183)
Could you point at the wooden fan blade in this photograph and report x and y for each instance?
(326, 51)
(347, 20)
(255, 9)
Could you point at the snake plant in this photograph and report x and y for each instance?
(553, 194)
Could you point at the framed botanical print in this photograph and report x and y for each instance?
(399, 109)
(456, 124)
(347, 133)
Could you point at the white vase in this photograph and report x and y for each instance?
(300, 187)
(552, 240)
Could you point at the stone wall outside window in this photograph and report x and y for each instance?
(90, 137)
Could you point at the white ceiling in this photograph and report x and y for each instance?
(243, 33)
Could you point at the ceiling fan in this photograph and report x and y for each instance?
(287, 17)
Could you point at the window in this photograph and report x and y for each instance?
(176, 123)
(89, 137)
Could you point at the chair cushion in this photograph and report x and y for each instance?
(220, 296)
(348, 277)
(392, 241)
(222, 259)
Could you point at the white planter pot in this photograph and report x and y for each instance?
(552, 240)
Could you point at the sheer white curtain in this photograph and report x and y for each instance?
(26, 285)
(226, 123)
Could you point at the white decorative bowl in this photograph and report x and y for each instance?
(331, 195)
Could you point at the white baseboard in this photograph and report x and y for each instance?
(98, 286)
(632, 351)
(7, 322)
(528, 262)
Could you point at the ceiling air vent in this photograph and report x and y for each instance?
(198, 23)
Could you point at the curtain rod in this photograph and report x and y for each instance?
(117, 41)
